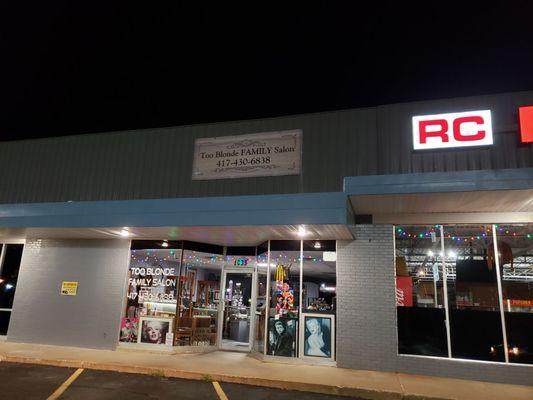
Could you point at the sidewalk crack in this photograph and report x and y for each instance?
(400, 383)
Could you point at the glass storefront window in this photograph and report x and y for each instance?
(175, 297)
(475, 326)
(10, 258)
(515, 246)
(489, 291)
(419, 291)
(150, 314)
(282, 331)
(199, 295)
(262, 300)
(319, 278)
(238, 298)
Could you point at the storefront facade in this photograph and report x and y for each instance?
(360, 238)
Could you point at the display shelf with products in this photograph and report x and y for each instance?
(208, 293)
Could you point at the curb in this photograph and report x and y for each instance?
(368, 394)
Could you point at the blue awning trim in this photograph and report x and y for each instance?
(287, 209)
(435, 182)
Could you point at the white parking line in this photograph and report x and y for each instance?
(220, 392)
(61, 389)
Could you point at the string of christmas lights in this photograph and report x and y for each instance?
(193, 257)
(447, 235)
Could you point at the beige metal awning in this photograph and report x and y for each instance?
(490, 206)
(248, 235)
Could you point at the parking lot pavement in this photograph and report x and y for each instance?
(39, 382)
(30, 382)
(105, 385)
(234, 392)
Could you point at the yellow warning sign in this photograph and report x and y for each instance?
(69, 288)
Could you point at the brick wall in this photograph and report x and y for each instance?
(90, 319)
(366, 316)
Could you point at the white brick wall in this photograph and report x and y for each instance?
(90, 319)
(366, 316)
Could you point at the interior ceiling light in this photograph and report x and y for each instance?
(430, 253)
(302, 231)
(164, 244)
(317, 245)
(124, 232)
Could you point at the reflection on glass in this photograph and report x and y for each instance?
(237, 310)
(9, 272)
(319, 276)
(198, 298)
(515, 248)
(151, 297)
(419, 291)
(475, 322)
(284, 294)
(261, 306)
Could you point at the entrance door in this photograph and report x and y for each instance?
(261, 309)
(237, 309)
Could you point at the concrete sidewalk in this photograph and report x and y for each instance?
(244, 369)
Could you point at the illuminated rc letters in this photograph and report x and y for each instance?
(464, 129)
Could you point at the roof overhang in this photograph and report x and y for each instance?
(244, 235)
(234, 220)
(460, 197)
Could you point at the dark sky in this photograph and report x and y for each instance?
(84, 66)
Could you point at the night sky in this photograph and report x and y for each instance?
(79, 67)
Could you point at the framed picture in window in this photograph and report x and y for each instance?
(129, 329)
(317, 336)
(154, 330)
(282, 337)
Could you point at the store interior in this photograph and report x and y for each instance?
(174, 292)
(473, 277)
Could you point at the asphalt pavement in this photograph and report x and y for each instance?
(41, 382)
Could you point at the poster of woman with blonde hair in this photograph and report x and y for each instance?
(317, 337)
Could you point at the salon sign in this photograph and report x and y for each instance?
(258, 154)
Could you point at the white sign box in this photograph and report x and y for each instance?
(463, 129)
(243, 156)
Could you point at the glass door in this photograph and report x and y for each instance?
(237, 309)
(261, 307)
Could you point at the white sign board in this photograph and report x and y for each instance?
(258, 154)
(463, 129)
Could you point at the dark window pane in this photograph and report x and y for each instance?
(419, 291)
(10, 268)
(515, 244)
(520, 336)
(4, 321)
(284, 295)
(475, 320)
(289, 245)
(240, 251)
(9, 274)
(476, 335)
(421, 331)
(262, 248)
(156, 244)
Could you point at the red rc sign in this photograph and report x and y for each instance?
(464, 129)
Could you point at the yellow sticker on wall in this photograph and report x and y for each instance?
(69, 288)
